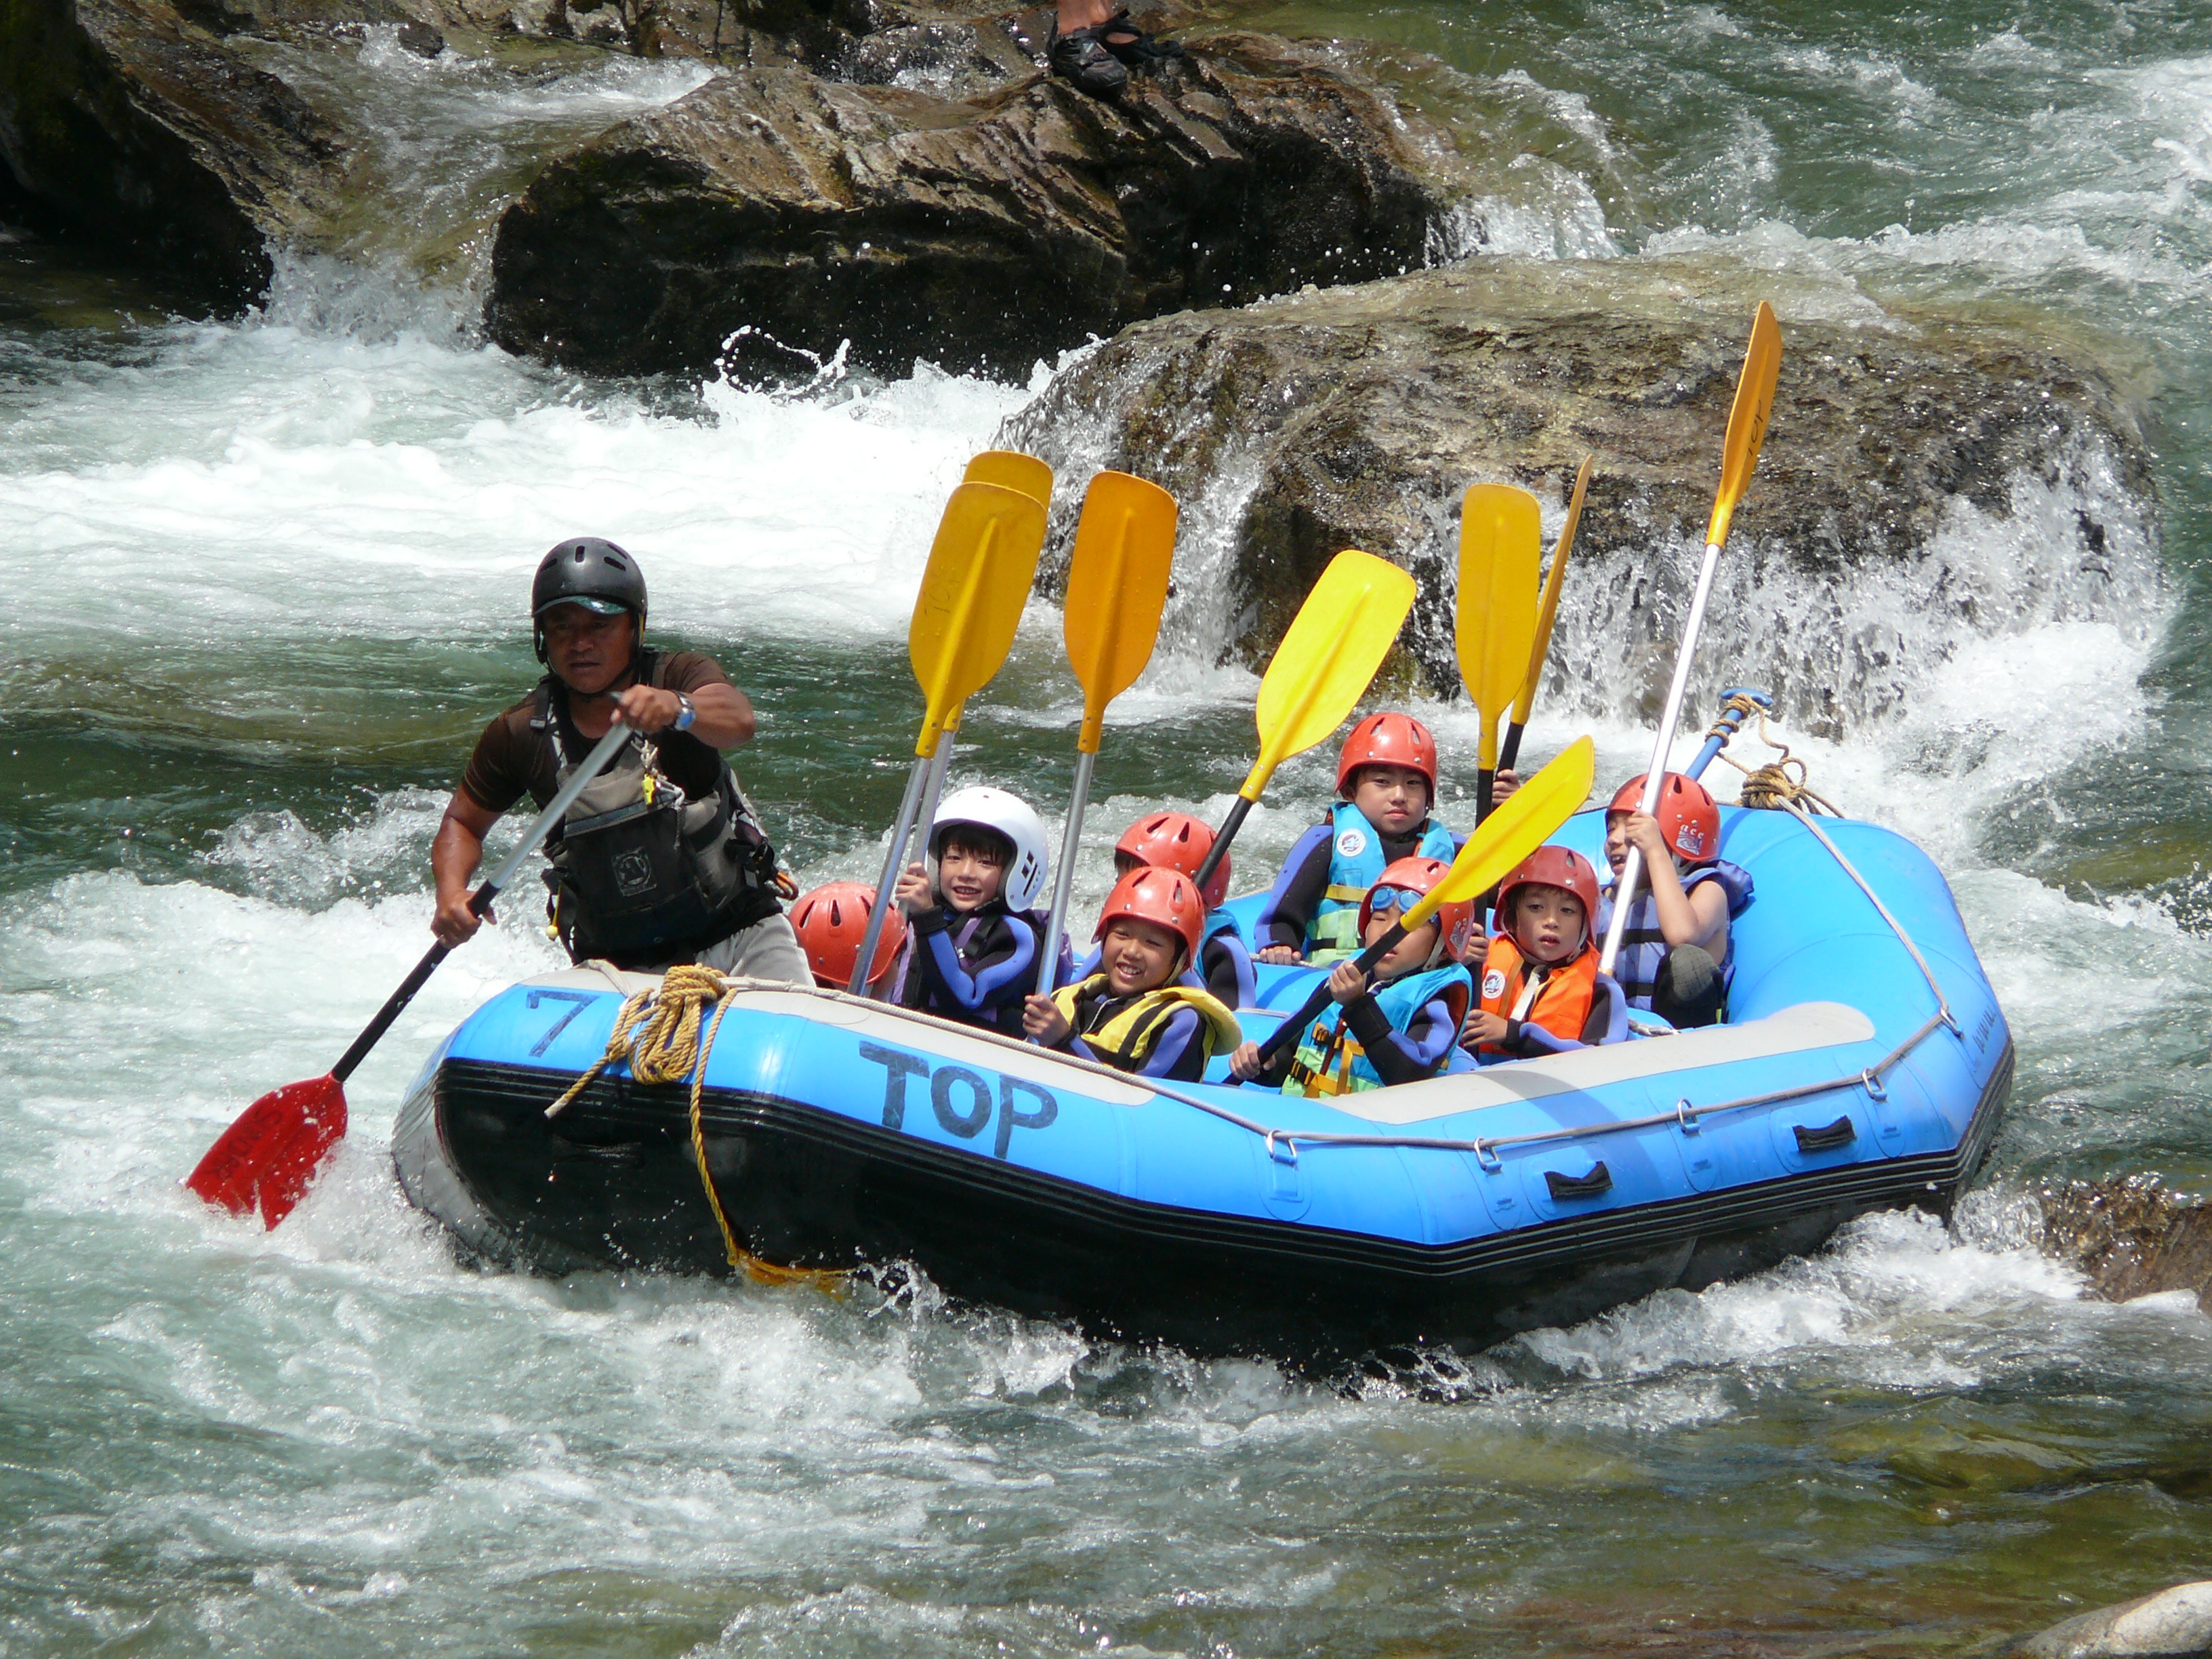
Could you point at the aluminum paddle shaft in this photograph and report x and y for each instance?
(1746, 431)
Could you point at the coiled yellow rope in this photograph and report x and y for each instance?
(1770, 786)
(666, 1048)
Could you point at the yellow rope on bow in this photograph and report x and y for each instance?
(666, 1048)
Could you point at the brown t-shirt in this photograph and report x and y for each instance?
(512, 761)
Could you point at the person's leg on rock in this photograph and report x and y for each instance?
(1689, 992)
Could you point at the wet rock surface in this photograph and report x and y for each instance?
(128, 121)
(2174, 1621)
(2132, 1238)
(1357, 418)
(982, 233)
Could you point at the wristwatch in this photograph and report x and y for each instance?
(686, 713)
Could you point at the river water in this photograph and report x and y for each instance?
(265, 585)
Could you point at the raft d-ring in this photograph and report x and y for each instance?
(1690, 1121)
(1486, 1156)
(1872, 1084)
(1282, 1148)
(1952, 1020)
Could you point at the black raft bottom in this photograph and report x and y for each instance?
(611, 1183)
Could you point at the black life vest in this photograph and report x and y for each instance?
(641, 874)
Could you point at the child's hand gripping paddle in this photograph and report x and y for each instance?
(1746, 431)
(1547, 612)
(1501, 538)
(1321, 669)
(270, 1155)
(1117, 586)
(973, 590)
(1501, 840)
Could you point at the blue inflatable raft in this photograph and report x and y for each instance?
(1865, 1066)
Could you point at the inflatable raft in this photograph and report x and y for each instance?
(1865, 1066)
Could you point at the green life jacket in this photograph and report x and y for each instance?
(1356, 862)
(1330, 1060)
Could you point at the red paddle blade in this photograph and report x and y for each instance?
(270, 1157)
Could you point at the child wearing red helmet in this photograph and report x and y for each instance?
(1386, 781)
(1400, 1027)
(1136, 1013)
(1541, 990)
(1177, 840)
(832, 924)
(1676, 958)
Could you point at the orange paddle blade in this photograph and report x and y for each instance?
(270, 1155)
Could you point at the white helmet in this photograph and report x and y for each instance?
(1010, 816)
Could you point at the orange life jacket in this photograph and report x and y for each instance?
(1562, 997)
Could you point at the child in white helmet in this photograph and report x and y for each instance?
(975, 935)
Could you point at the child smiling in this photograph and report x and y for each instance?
(1133, 1014)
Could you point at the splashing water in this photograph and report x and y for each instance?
(268, 587)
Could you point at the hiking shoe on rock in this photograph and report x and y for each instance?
(1082, 57)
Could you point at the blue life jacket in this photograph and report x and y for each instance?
(1355, 863)
(1330, 1060)
(1643, 947)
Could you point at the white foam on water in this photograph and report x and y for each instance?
(280, 480)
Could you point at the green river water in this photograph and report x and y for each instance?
(265, 585)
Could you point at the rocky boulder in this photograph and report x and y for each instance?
(773, 211)
(2131, 1237)
(130, 123)
(1358, 416)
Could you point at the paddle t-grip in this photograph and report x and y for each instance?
(1285, 1034)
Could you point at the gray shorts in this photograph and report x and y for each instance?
(767, 950)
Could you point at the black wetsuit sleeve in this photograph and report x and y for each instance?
(1295, 900)
(1405, 1056)
(1228, 970)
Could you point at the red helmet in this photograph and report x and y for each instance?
(1551, 866)
(1162, 897)
(1689, 818)
(832, 920)
(1389, 740)
(1177, 840)
(1454, 919)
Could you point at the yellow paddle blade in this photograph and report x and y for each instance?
(1117, 585)
(1547, 608)
(1011, 470)
(1513, 830)
(973, 590)
(1326, 661)
(1754, 401)
(1501, 540)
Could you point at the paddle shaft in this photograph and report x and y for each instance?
(894, 864)
(1063, 879)
(1222, 837)
(1623, 892)
(480, 900)
(1287, 1033)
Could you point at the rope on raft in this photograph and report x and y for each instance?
(658, 1032)
(1770, 786)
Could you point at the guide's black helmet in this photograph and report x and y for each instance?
(587, 571)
